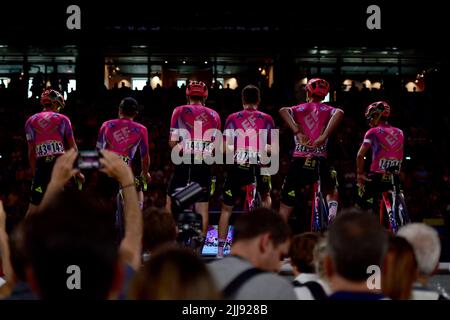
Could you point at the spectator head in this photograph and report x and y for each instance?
(250, 96)
(173, 273)
(301, 252)
(52, 100)
(400, 269)
(262, 237)
(74, 230)
(317, 89)
(355, 241)
(128, 108)
(197, 92)
(319, 254)
(159, 229)
(426, 244)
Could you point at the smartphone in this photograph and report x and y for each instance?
(88, 159)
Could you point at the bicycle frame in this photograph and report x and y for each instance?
(390, 209)
(318, 220)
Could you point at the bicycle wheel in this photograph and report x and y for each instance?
(387, 198)
(319, 217)
(401, 213)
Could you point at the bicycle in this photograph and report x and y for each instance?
(141, 184)
(392, 202)
(252, 196)
(319, 212)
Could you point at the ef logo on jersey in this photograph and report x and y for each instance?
(121, 135)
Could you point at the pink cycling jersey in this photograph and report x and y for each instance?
(386, 143)
(182, 127)
(123, 137)
(312, 118)
(47, 131)
(250, 131)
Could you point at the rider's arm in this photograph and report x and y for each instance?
(29, 132)
(174, 136)
(145, 157)
(333, 123)
(360, 158)
(32, 156)
(68, 133)
(289, 120)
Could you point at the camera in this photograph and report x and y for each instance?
(189, 223)
(88, 159)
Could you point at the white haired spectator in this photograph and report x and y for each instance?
(427, 249)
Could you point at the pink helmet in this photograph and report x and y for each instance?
(197, 89)
(378, 109)
(52, 98)
(318, 87)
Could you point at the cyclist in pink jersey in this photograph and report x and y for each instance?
(242, 134)
(49, 135)
(124, 136)
(313, 123)
(194, 146)
(386, 143)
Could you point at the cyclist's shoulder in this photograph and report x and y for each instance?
(60, 116)
(212, 111)
(140, 127)
(110, 122)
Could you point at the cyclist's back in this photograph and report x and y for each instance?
(247, 134)
(386, 145)
(312, 124)
(49, 134)
(193, 129)
(123, 137)
(184, 118)
(312, 118)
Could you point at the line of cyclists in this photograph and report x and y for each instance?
(49, 134)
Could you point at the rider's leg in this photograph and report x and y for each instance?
(202, 209)
(32, 208)
(224, 220)
(264, 185)
(285, 211)
(168, 204)
(266, 200)
(332, 200)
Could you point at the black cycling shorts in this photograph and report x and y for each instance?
(370, 194)
(188, 173)
(303, 172)
(263, 183)
(44, 167)
(238, 176)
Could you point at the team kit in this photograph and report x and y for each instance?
(248, 142)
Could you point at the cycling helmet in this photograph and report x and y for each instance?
(129, 106)
(377, 110)
(197, 89)
(318, 87)
(52, 98)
